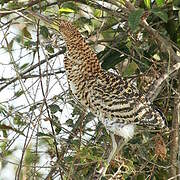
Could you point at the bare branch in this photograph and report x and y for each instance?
(158, 84)
(174, 146)
(62, 51)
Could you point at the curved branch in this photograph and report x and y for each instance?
(158, 84)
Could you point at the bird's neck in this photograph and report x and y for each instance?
(81, 56)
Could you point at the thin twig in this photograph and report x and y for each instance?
(62, 51)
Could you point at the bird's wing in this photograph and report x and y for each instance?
(116, 98)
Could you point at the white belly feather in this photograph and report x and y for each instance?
(124, 130)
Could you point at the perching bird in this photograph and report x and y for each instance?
(116, 102)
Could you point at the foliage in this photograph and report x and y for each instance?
(48, 134)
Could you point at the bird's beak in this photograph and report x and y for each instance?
(48, 21)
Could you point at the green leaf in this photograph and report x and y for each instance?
(54, 108)
(160, 3)
(56, 123)
(2, 2)
(147, 3)
(110, 62)
(18, 93)
(33, 107)
(26, 33)
(161, 14)
(140, 177)
(108, 34)
(134, 19)
(17, 119)
(5, 134)
(10, 45)
(113, 57)
(40, 134)
(29, 44)
(66, 10)
(3, 110)
(18, 38)
(130, 69)
(24, 66)
(58, 129)
(176, 4)
(71, 5)
(69, 122)
(30, 157)
(49, 48)
(44, 31)
(98, 13)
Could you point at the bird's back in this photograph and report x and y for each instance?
(119, 100)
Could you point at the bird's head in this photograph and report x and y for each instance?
(59, 25)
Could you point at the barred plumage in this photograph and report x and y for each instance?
(115, 101)
(107, 95)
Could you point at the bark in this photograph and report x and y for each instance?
(174, 146)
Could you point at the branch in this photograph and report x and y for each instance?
(62, 51)
(174, 146)
(32, 76)
(158, 84)
(162, 42)
(164, 46)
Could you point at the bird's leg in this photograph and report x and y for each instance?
(113, 151)
(114, 148)
(121, 144)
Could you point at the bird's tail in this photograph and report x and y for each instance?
(161, 119)
(154, 118)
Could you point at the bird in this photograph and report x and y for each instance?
(115, 101)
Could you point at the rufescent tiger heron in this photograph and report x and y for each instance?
(116, 102)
